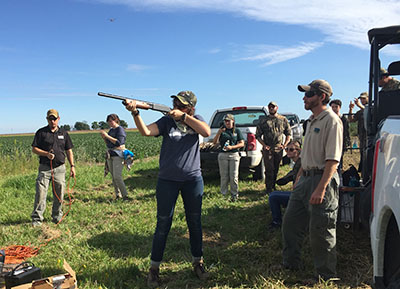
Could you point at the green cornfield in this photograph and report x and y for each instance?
(16, 150)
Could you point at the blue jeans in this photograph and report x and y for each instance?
(276, 200)
(192, 195)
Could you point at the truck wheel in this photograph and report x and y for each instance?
(365, 207)
(259, 172)
(391, 269)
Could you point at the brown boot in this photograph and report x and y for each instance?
(199, 270)
(153, 278)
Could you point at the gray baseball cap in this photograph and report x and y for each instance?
(318, 84)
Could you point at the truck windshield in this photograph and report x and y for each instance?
(291, 118)
(243, 118)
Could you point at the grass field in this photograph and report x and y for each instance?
(108, 243)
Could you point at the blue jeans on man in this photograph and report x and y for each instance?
(192, 195)
(278, 199)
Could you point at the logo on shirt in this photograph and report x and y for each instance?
(60, 137)
(176, 134)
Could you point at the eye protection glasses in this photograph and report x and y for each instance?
(290, 149)
(52, 118)
(179, 105)
(310, 93)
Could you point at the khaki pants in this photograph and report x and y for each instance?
(115, 165)
(319, 220)
(229, 172)
(42, 184)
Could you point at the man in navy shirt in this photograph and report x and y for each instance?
(51, 144)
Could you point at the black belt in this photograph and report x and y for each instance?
(312, 172)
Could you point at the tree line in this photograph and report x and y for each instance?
(83, 125)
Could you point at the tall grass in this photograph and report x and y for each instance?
(108, 243)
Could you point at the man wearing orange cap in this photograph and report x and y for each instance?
(51, 144)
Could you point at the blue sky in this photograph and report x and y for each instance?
(59, 54)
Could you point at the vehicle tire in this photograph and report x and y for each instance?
(365, 207)
(391, 269)
(259, 172)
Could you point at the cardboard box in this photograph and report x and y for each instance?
(63, 281)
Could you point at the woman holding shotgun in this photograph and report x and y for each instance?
(179, 173)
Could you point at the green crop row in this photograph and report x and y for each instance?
(88, 147)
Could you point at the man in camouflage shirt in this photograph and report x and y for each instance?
(387, 82)
(269, 133)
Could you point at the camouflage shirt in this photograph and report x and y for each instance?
(272, 129)
(393, 84)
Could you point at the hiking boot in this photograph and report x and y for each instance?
(127, 199)
(153, 278)
(274, 226)
(199, 270)
(36, 224)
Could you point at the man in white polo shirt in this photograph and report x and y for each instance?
(314, 202)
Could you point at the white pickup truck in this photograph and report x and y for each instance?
(381, 166)
(385, 221)
(246, 119)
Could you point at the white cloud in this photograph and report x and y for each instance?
(342, 21)
(214, 51)
(268, 54)
(137, 67)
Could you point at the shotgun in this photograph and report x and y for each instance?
(139, 103)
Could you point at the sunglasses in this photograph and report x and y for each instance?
(53, 118)
(310, 94)
(179, 105)
(290, 149)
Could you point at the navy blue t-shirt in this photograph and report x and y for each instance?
(118, 133)
(180, 154)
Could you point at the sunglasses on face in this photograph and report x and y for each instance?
(290, 149)
(310, 94)
(52, 118)
(179, 105)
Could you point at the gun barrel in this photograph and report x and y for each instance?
(139, 103)
(111, 96)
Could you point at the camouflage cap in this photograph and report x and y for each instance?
(363, 95)
(383, 72)
(52, 112)
(229, 116)
(272, 103)
(187, 97)
(318, 84)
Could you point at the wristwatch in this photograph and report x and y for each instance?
(183, 117)
(135, 113)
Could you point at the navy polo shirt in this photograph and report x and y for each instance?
(57, 142)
